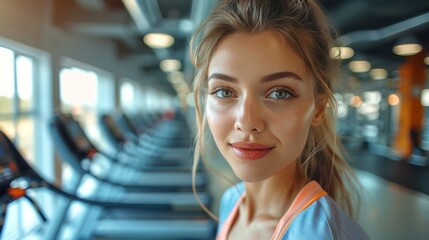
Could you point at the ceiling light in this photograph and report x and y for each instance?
(407, 49)
(407, 46)
(378, 73)
(169, 65)
(342, 53)
(359, 66)
(426, 60)
(158, 40)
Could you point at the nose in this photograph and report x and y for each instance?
(249, 117)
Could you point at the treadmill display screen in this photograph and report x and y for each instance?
(78, 136)
(113, 128)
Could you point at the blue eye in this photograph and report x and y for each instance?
(223, 93)
(280, 93)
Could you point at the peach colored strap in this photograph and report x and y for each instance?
(309, 194)
(226, 228)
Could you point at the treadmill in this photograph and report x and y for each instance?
(163, 148)
(15, 167)
(76, 149)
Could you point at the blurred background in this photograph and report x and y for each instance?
(129, 59)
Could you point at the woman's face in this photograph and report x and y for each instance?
(260, 104)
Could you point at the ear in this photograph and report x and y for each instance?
(319, 113)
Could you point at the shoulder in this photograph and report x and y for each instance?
(324, 219)
(229, 199)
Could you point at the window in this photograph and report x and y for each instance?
(135, 98)
(128, 92)
(78, 91)
(17, 111)
(156, 101)
(85, 92)
(20, 117)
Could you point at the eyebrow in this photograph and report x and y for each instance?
(279, 75)
(267, 78)
(221, 76)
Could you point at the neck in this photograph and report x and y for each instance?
(271, 198)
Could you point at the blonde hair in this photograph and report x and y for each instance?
(303, 26)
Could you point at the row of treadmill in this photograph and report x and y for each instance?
(142, 189)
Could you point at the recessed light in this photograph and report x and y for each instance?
(407, 49)
(169, 65)
(407, 45)
(342, 52)
(158, 40)
(359, 66)
(378, 73)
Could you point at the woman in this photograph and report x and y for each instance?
(264, 89)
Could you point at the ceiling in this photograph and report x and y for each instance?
(370, 27)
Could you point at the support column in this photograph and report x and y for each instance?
(411, 112)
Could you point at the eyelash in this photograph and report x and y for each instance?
(287, 90)
(221, 88)
(217, 90)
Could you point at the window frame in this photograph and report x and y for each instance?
(42, 99)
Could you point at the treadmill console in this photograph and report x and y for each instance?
(77, 135)
(110, 124)
(8, 168)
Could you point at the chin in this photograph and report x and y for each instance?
(250, 176)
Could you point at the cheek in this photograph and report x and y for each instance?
(212, 115)
(217, 120)
(293, 128)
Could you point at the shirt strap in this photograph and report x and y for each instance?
(226, 228)
(309, 194)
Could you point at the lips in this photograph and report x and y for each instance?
(250, 151)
